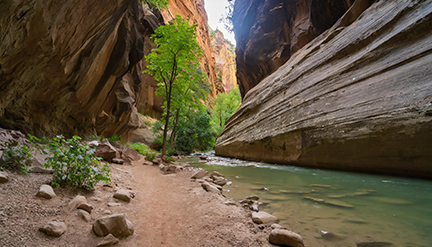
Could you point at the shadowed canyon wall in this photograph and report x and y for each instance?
(357, 97)
(70, 67)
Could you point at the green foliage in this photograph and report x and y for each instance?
(144, 150)
(95, 138)
(225, 105)
(75, 164)
(160, 4)
(17, 157)
(114, 138)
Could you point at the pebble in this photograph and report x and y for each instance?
(46, 191)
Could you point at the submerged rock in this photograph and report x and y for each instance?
(375, 244)
(286, 237)
(331, 236)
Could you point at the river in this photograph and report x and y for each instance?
(353, 207)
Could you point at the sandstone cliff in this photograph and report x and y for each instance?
(70, 67)
(268, 32)
(224, 57)
(358, 97)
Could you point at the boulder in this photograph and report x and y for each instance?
(203, 157)
(253, 198)
(46, 191)
(4, 177)
(220, 181)
(129, 154)
(54, 228)
(276, 226)
(107, 151)
(147, 163)
(85, 206)
(115, 224)
(263, 218)
(210, 188)
(286, 237)
(215, 174)
(157, 161)
(124, 195)
(74, 203)
(199, 174)
(118, 161)
(107, 241)
(84, 215)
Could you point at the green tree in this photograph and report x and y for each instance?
(174, 62)
(160, 4)
(225, 105)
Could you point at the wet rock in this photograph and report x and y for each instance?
(107, 151)
(210, 188)
(276, 226)
(118, 161)
(220, 181)
(108, 240)
(313, 199)
(115, 224)
(263, 218)
(254, 207)
(147, 163)
(286, 237)
(331, 236)
(46, 191)
(374, 244)
(320, 185)
(204, 157)
(85, 206)
(74, 203)
(354, 221)
(54, 228)
(124, 195)
(246, 202)
(338, 203)
(253, 198)
(200, 174)
(84, 215)
(215, 174)
(4, 177)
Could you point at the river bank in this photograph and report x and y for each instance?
(167, 210)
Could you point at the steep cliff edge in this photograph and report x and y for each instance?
(224, 56)
(268, 32)
(358, 97)
(70, 67)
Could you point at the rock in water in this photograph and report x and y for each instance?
(263, 218)
(375, 244)
(108, 240)
(115, 224)
(210, 187)
(124, 195)
(53, 228)
(46, 191)
(286, 237)
(333, 94)
(199, 174)
(3, 177)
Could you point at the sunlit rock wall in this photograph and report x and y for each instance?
(223, 53)
(358, 97)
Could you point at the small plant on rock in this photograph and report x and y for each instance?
(75, 164)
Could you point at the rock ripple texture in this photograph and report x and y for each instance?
(358, 97)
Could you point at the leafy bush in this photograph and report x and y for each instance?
(17, 157)
(114, 138)
(144, 150)
(75, 164)
(95, 138)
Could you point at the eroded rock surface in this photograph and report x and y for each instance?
(358, 97)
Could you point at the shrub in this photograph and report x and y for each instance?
(17, 157)
(144, 150)
(114, 138)
(75, 164)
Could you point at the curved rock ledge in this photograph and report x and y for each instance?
(358, 97)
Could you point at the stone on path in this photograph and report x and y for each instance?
(115, 224)
(263, 218)
(130, 154)
(107, 151)
(3, 177)
(78, 200)
(286, 237)
(210, 188)
(147, 163)
(84, 215)
(199, 174)
(375, 244)
(46, 191)
(108, 240)
(118, 161)
(54, 228)
(124, 195)
(85, 206)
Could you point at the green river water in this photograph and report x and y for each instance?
(356, 207)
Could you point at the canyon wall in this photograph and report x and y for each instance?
(268, 32)
(70, 67)
(224, 56)
(357, 97)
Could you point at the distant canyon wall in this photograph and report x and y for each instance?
(70, 67)
(224, 56)
(357, 97)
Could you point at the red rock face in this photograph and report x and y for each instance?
(224, 57)
(70, 67)
(358, 97)
(268, 32)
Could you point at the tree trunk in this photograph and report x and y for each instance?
(174, 131)
(173, 74)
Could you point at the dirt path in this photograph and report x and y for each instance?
(168, 210)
